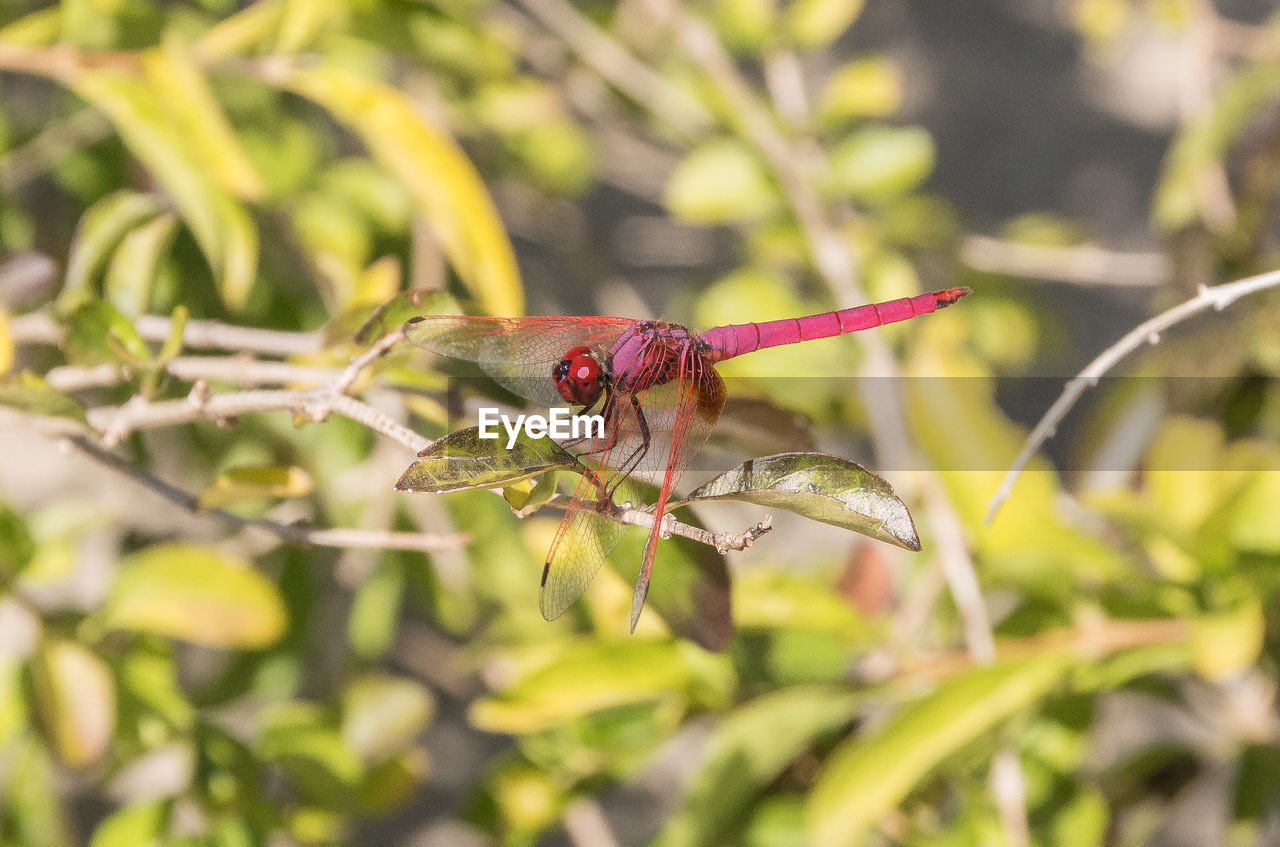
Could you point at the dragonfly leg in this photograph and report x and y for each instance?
(632, 461)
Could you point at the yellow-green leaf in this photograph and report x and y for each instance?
(864, 778)
(28, 393)
(133, 268)
(76, 701)
(720, 182)
(255, 483)
(6, 342)
(383, 716)
(198, 595)
(223, 229)
(187, 99)
(1227, 642)
(442, 181)
(816, 23)
(99, 231)
(863, 88)
(746, 753)
(880, 163)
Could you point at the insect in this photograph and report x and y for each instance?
(656, 386)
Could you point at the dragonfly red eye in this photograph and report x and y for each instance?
(577, 376)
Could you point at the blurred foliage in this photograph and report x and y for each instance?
(293, 165)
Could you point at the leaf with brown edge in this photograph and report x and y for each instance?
(818, 486)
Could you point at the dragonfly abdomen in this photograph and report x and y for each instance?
(725, 342)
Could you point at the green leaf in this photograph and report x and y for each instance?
(375, 610)
(721, 182)
(100, 230)
(382, 716)
(255, 483)
(746, 25)
(75, 699)
(880, 163)
(7, 347)
(813, 24)
(863, 88)
(172, 345)
(97, 333)
(198, 595)
(866, 777)
(442, 181)
(462, 460)
(312, 753)
(825, 488)
(746, 753)
(133, 268)
(28, 393)
(17, 547)
(225, 232)
(590, 676)
(134, 825)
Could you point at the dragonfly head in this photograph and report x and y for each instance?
(577, 376)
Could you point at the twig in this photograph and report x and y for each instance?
(293, 533)
(587, 826)
(40, 328)
(604, 55)
(1217, 297)
(1083, 264)
(237, 370)
(724, 542)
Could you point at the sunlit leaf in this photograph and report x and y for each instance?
(746, 753)
(862, 88)
(28, 393)
(879, 163)
(100, 230)
(186, 97)
(1225, 643)
(442, 181)
(225, 232)
(6, 343)
(76, 701)
(38, 29)
(172, 345)
(255, 483)
(303, 20)
(825, 488)
(746, 25)
(866, 777)
(383, 716)
(816, 23)
(253, 26)
(198, 595)
(136, 262)
(589, 676)
(462, 460)
(720, 182)
(134, 825)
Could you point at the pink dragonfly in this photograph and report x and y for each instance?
(656, 386)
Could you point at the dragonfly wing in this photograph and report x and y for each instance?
(700, 396)
(517, 352)
(582, 542)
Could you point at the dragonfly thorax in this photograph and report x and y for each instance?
(577, 376)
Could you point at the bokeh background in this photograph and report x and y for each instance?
(201, 202)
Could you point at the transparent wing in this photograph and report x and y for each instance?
(517, 352)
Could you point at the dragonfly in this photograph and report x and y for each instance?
(656, 386)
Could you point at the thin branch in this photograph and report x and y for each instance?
(292, 533)
(1217, 297)
(41, 328)
(1084, 264)
(615, 64)
(236, 370)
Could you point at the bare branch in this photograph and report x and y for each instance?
(1083, 264)
(1218, 298)
(292, 533)
(41, 328)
